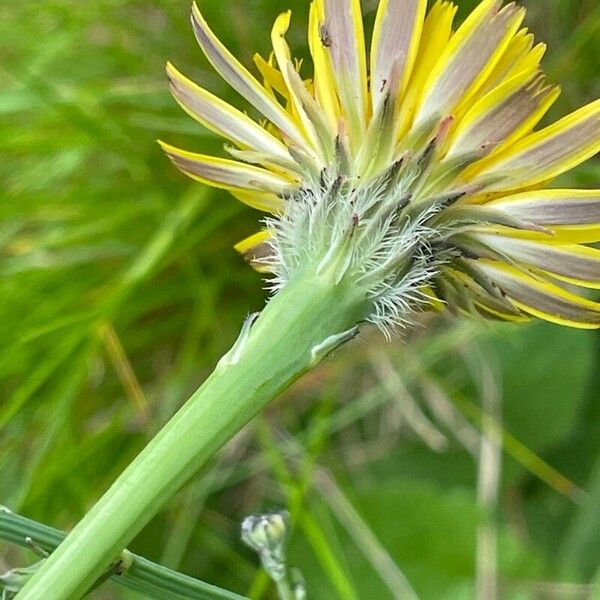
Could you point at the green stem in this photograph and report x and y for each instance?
(284, 591)
(298, 327)
(144, 576)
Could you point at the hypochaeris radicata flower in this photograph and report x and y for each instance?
(396, 181)
(412, 169)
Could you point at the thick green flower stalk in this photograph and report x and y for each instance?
(400, 181)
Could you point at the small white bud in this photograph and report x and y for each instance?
(268, 534)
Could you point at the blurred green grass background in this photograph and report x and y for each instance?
(119, 289)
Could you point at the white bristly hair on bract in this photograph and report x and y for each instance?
(373, 233)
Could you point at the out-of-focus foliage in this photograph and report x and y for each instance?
(119, 289)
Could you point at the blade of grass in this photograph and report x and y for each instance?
(153, 580)
(296, 491)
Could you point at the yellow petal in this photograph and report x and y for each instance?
(313, 123)
(225, 173)
(542, 155)
(519, 58)
(254, 249)
(223, 119)
(434, 37)
(468, 59)
(342, 30)
(542, 298)
(244, 83)
(395, 42)
(263, 201)
(572, 215)
(271, 76)
(502, 116)
(529, 62)
(574, 263)
(323, 79)
(252, 241)
(490, 302)
(519, 47)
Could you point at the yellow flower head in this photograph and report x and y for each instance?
(413, 169)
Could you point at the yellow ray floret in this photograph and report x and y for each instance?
(241, 80)
(573, 263)
(573, 216)
(251, 248)
(437, 30)
(225, 173)
(272, 78)
(545, 154)
(311, 116)
(519, 47)
(468, 59)
(394, 45)
(323, 79)
(344, 42)
(222, 118)
(542, 298)
(504, 115)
